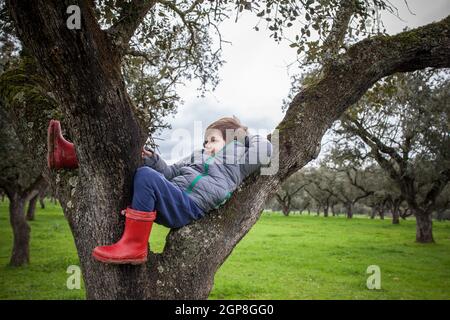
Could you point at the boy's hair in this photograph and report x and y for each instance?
(233, 124)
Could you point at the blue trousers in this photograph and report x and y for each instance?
(152, 191)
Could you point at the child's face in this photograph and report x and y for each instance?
(213, 141)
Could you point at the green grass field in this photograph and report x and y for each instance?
(295, 257)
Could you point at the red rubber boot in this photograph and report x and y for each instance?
(133, 246)
(60, 152)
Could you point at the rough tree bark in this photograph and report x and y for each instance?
(424, 227)
(395, 209)
(84, 73)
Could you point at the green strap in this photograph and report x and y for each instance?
(196, 179)
(205, 168)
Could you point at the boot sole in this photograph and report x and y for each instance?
(119, 261)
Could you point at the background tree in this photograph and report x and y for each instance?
(21, 180)
(26, 109)
(292, 187)
(381, 194)
(404, 122)
(347, 180)
(321, 182)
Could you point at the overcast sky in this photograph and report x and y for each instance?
(255, 78)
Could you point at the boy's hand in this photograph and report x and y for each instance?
(146, 153)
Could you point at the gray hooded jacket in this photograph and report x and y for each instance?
(210, 180)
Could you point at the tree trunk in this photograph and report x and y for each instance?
(42, 202)
(42, 193)
(325, 211)
(373, 212)
(395, 214)
(32, 208)
(286, 210)
(349, 208)
(21, 231)
(424, 227)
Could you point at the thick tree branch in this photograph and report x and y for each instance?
(354, 182)
(131, 16)
(34, 188)
(337, 33)
(299, 189)
(362, 196)
(375, 143)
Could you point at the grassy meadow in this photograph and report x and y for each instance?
(295, 257)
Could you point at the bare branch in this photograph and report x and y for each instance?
(182, 14)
